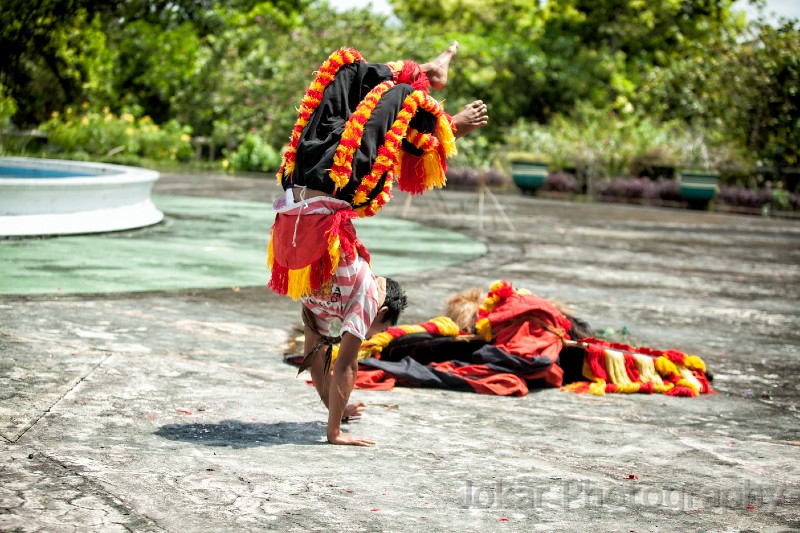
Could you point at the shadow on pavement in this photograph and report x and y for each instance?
(245, 434)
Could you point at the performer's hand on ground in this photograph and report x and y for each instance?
(353, 410)
(349, 440)
(472, 117)
(436, 70)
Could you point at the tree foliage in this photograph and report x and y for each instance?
(233, 68)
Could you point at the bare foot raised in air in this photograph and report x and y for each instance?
(472, 117)
(436, 70)
(353, 410)
(349, 440)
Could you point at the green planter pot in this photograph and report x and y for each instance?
(529, 175)
(698, 187)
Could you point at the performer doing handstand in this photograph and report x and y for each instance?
(361, 127)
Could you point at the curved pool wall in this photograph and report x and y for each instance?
(54, 197)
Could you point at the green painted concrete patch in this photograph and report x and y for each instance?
(204, 243)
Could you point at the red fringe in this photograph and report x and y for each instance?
(279, 282)
(595, 357)
(630, 368)
(321, 272)
(646, 388)
(703, 379)
(681, 391)
(412, 174)
(412, 74)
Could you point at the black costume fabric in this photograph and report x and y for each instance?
(321, 137)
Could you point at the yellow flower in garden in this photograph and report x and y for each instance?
(127, 117)
(108, 117)
(225, 164)
(128, 131)
(185, 137)
(85, 121)
(106, 109)
(145, 119)
(85, 105)
(54, 114)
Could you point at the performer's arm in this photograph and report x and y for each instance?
(342, 381)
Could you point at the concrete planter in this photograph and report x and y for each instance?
(698, 187)
(529, 175)
(53, 197)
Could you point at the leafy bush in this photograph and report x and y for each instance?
(102, 133)
(777, 199)
(468, 178)
(605, 143)
(639, 188)
(561, 181)
(8, 107)
(254, 154)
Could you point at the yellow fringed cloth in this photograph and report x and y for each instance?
(304, 249)
(619, 368)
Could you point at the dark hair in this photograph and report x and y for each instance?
(395, 300)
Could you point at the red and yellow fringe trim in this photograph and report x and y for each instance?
(417, 174)
(327, 72)
(413, 178)
(310, 279)
(619, 368)
(373, 346)
(499, 290)
(342, 167)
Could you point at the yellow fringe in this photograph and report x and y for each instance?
(693, 362)
(688, 379)
(445, 135)
(299, 282)
(334, 252)
(375, 344)
(615, 367)
(434, 173)
(598, 388)
(628, 388)
(665, 367)
(270, 253)
(647, 370)
(484, 329)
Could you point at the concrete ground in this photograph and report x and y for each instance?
(170, 409)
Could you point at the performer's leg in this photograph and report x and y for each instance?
(436, 70)
(317, 369)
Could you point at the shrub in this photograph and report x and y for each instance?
(639, 189)
(777, 199)
(8, 108)
(561, 181)
(742, 197)
(468, 178)
(256, 155)
(102, 134)
(606, 144)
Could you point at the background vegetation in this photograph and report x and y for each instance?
(606, 88)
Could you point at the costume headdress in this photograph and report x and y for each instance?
(361, 126)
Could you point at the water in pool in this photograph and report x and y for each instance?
(23, 172)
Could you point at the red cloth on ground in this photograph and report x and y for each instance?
(517, 330)
(485, 380)
(370, 379)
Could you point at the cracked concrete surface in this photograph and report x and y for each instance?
(173, 411)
